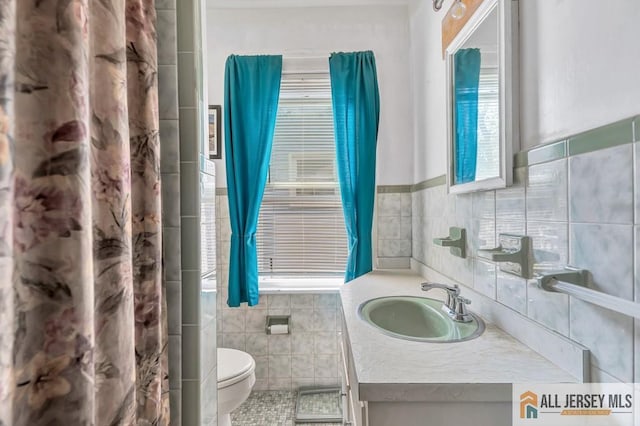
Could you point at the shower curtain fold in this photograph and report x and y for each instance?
(7, 49)
(80, 215)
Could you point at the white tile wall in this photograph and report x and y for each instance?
(546, 192)
(170, 169)
(307, 356)
(511, 291)
(394, 223)
(580, 212)
(592, 196)
(610, 342)
(208, 359)
(564, 205)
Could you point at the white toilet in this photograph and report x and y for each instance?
(236, 377)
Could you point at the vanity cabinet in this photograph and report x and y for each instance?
(408, 407)
(354, 411)
(389, 381)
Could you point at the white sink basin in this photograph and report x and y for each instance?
(417, 318)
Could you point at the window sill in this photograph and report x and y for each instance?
(275, 285)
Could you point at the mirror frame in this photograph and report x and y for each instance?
(509, 133)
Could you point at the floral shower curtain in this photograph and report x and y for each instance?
(83, 337)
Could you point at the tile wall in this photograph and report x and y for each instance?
(198, 357)
(393, 218)
(170, 173)
(307, 356)
(208, 359)
(208, 347)
(582, 210)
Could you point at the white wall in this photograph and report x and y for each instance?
(429, 91)
(580, 65)
(580, 69)
(314, 32)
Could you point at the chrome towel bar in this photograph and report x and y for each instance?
(574, 282)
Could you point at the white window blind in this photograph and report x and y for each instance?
(301, 225)
(488, 158)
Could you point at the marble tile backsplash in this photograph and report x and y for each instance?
(394, 223)
(607, 198)
(579, 211)
(307, 356)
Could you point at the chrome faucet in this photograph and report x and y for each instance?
(456, 305)
(452, 292)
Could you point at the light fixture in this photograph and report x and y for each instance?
(458, 10)
(437, 4)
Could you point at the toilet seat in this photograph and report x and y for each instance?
(233, 366)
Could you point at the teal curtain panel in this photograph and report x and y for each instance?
(252, 88)
(356, 114)
(467, 79)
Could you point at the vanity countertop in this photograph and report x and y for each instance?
(392, 369)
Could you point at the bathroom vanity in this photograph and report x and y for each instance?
(388, 381)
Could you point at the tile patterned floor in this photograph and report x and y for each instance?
(270, 408)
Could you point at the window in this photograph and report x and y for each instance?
(301, 227)
(488, 157)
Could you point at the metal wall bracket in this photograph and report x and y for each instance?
(581, 277)
(456, 241)
(515, 254)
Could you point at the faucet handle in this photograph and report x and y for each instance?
(463, 300)
(460, 309)
(452, 297)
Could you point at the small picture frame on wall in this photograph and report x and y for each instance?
(215, 134)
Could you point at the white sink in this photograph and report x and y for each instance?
(417, 318)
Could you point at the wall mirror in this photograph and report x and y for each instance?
(482, 99)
